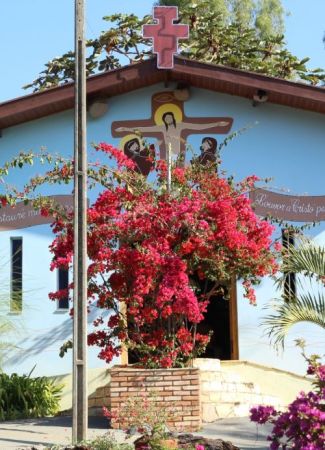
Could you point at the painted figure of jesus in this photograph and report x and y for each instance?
(170, 125)
(171, 131)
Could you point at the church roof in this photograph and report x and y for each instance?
(129, 78)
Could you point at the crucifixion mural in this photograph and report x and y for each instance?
(169, 125)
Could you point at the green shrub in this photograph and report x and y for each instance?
(105, 442)
(25, 397)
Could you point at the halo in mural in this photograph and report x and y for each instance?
(128, 138)
(168, 108)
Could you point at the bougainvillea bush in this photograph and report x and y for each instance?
(302, 426)
(157, 255)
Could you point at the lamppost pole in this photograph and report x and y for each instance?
(80, 397)
(169, 167)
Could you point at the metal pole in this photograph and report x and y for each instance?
(80, 397)
(169, 167)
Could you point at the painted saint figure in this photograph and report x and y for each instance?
(208, 150)
(142, 156)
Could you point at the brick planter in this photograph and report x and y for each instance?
(178, 389)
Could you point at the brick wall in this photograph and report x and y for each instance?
(176, 389)
(98, 399)
(207, 390)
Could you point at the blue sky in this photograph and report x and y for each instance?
(32, 32)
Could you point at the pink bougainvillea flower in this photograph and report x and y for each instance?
(152, 251)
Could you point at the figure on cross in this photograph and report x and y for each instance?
(170, 126)
(171, 131)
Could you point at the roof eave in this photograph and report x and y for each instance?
(142, 74)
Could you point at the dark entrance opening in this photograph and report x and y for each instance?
(217, 321)
(221, 319)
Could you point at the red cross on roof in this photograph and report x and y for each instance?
(165, 34)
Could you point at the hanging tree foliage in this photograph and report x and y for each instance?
(266, 16)
(213, 39)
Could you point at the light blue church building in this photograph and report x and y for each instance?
(284, 138)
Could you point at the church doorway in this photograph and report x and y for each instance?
(221, 319)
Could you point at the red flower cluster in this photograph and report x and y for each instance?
(150, 248)
(3, 200)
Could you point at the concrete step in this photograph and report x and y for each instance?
(225, 394)
(239, 397)
(231, 407)
(212, 365)
(212, 412)
(221, 386)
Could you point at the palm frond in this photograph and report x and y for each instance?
(8, 329)
(306, 308)
(307, 258)
(6, 326)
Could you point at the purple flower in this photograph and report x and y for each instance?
(302, 426)
(199, 447)
(321, 372)
(262, 414)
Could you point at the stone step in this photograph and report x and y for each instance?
(225, 386)
(212, 411)
(240, 387)
(230, 377)
(225, 394)
(219, 375)
(242, 397)
(212, 365)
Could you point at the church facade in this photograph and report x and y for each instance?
(187, 110)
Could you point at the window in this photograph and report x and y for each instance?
(63, 283)
(289, 288)
(16, 282)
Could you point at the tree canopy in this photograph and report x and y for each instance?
(212, 39)
(267, 16)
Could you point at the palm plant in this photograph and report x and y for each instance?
(307, 260)
(10, 326)
(7, 327)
